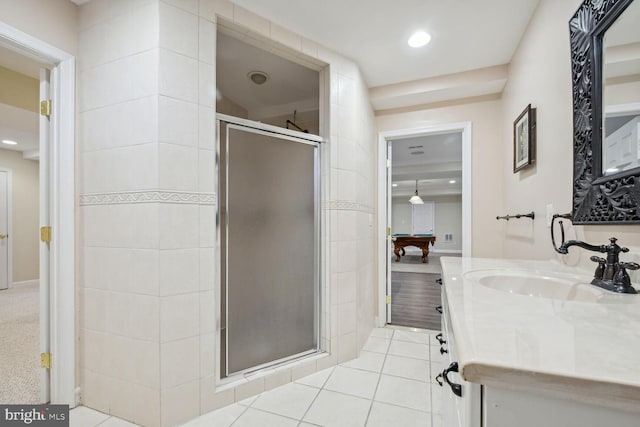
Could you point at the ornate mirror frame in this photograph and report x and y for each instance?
(597, 199)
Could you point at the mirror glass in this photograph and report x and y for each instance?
(621, 93)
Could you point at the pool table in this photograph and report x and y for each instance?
(421, 241)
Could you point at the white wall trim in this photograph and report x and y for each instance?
(9, 225)
(383, 137)
(445, 251)
(25, 283)
(62, 210)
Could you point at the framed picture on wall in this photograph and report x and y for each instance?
(524, 139)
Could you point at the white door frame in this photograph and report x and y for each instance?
(9, 226)
(62, 208)
(384, 196)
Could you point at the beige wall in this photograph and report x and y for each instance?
(540, 74)
(487, 156)
(52, 21)
(448, 219)
(19, 90)
(24, 233)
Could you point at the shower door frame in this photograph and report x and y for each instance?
(295, 137)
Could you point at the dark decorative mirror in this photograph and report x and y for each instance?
(605, 63)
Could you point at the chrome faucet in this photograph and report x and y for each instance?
(610, 274)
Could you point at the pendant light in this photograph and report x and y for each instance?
(415, 199)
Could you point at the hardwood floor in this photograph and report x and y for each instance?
(414, 297)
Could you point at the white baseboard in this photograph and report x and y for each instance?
(25, 282)
(446, 251)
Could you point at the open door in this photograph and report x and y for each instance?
(45, 234)
(389, 243)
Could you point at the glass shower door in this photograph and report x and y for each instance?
(269, 247)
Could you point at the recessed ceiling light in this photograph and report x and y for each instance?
(453, 181)
(394, 185)
(9, 142)
(419, 39)
(258, 77)
(611, 170)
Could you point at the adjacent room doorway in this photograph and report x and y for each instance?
(424, 201)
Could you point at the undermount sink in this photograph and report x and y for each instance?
(537, 285)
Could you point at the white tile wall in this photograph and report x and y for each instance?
(177, 167)
(149, 125)
(178, 76)
(137, 169)
(179, 30)
(178, 271)
(127, 123)
(178, 122)
(179, 316)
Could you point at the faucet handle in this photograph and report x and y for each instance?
(599, 273)
(630, 265)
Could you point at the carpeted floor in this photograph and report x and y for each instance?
(19, 345)
(414, 298)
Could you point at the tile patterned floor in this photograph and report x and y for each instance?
(391, 383)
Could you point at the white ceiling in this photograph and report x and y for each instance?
(290, 86)
(466, 34)
(434, 160)
(18, 125)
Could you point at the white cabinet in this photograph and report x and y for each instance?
(461, 399)
(509, 405)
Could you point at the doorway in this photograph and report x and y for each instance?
(424, 201)
(55, 214)
(20, 293)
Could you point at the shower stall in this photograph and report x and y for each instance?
(268, 245)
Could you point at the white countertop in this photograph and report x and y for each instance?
(587, 351)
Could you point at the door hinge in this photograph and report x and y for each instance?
(45, 234)
(388, 231)
(45, 108)
(45, 360)
(388, 299)
(388, 163)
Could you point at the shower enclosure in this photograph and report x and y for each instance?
(268, 236)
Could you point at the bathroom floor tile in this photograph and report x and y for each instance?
(117, 422)
(256, 418)
(223, 417)
(353, 381)
(409, 349)
(407, 367)
(386, 333)
(332, 409)
(316, 380)
(417, 337)
(248, 401)
(377, 345)
(384, 415)
(291, 400)
(84, 417)
(404, 392)
(368, 361)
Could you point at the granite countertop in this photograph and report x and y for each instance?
(586, 349)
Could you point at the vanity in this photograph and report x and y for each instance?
(532, 343)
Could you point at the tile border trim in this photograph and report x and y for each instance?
(156, 196)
